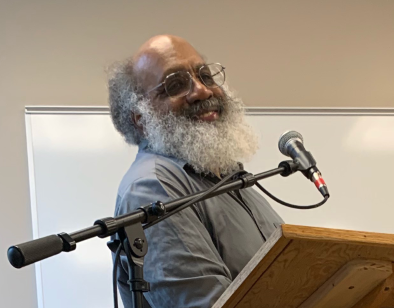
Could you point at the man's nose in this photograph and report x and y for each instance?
(198, 92)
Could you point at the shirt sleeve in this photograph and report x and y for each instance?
(182, 265)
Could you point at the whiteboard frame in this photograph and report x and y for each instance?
(254, 111)
(323, 111)
(33, 204)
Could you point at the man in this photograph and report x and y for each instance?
(191, 131)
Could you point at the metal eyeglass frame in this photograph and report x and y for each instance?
(191, 80)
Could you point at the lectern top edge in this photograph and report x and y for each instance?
(294, 232)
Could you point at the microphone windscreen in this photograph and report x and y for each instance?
(285, 138)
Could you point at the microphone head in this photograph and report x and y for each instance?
(286, 138)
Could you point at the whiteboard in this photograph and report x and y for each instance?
(77, 159)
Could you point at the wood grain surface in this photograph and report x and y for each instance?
(380, 297)
(301, 260)
(350, 284)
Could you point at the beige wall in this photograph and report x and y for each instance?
(277, 53)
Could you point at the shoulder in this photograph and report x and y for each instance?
(154, 168)
(153, 177)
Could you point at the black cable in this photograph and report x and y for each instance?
(195, 200)
(299, 207)
(114, 275)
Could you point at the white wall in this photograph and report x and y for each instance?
(277, 53)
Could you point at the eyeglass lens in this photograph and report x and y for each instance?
(178, 84)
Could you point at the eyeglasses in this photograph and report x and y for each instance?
(180, 83)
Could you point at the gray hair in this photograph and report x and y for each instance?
(125, 95)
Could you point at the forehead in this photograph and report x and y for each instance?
(162, 56)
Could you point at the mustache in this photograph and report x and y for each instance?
(193, 110)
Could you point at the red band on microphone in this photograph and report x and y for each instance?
(319, 182)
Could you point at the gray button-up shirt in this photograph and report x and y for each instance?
(195, 254)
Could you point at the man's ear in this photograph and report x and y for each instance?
(136, 119)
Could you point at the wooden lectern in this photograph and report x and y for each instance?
(307, 267)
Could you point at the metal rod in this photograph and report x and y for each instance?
(26, 253)
(140, 216)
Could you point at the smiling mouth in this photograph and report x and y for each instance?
(208, 114)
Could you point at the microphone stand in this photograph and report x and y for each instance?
(129, 230)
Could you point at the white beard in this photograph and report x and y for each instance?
(209, 147)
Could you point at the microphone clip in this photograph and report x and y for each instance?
(289, 166)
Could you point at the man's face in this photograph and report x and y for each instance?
(166, 56)
(205, 128)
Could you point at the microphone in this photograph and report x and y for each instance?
(291, 144)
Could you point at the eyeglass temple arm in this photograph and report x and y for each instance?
(158, 86)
